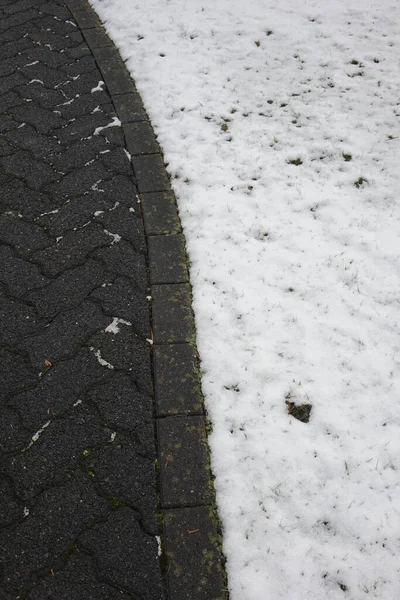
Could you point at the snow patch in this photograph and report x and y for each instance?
(103, 362)
(114, 123)
(113, 326)
(98, 88)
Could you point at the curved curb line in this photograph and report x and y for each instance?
(193, 561)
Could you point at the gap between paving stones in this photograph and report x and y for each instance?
(193, 560)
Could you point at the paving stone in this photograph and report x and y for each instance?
(50, 78)
(84, 64)
(11, 65)
(74, 213)
(83, 85)
(15, 33)
(125, 351)
(18, 321)
(59, 389)
(122, 299)
(7, 123)
(122, 259)
(77, 52)
(82, 127)
(13, 436)
(122, 190)
(5, 148)
(9, 100)
(13, 201)
(45, 97)
(129, 107)
(15, 7)
(86, 18)
(77, 440)
(117, 161)
(125, 555)
(23, 236)
(13, 47)
(27, 138)
(78, 155)
(72, 250)
(172, 313)
(127, 222)
(45, 55)
(58, 448)
(123, 407)
(195, 569)
(160, 213)
(43, 120)
(140, 138)
(150, 173)
(185, 475)
(97, 37)
(66, 291)
(18, 275)
(77, 581)
(176, 380)
(11, 82)
(85, 104)
(11, 511)
(58, 517)
(167, 259)
(126, 477)
(63, 336)
(16, 374)
(116, 76)
(35, 173)
(18, 19)
(58, 11)
(75, 5)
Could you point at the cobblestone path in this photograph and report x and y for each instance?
(77, 478)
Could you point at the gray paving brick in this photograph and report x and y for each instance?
(59, 447)
(184, 465)
(167, 259)
(77, 580)
(140, 138)
(129, 107)
(64, 335)
(125, 555)
(195, 569)
(125, 351)
(160, 213)
(122, 299)
(124, 408)
(96, 37)
(66, 291)
(176, 380)
(172, 313)
(150, 173)
(127, 477)
(19, 276)
(59, 388)
(72, 250)
(56, 520)
(122, 259)
(86, 18)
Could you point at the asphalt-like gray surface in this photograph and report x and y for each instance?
(77, 442)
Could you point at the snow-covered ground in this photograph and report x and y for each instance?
(279, 121)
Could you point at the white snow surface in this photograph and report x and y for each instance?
(295, 271)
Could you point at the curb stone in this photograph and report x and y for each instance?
(193, 560)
